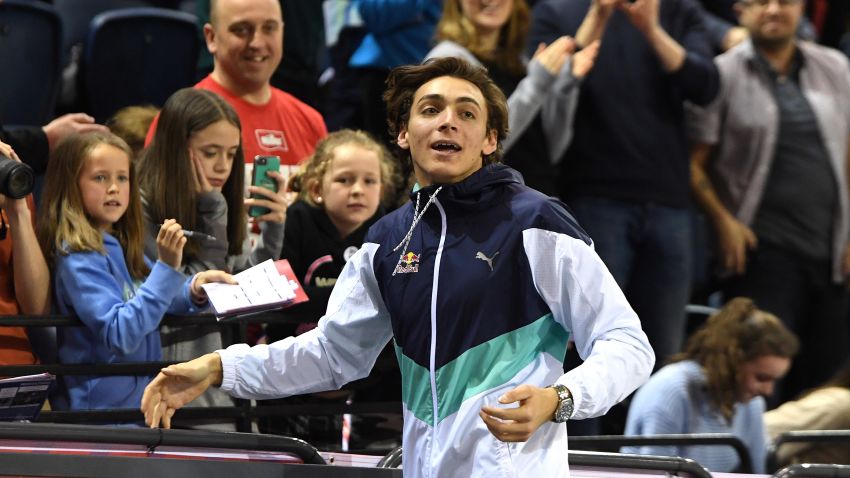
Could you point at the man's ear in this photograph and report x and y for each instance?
(490, 143)
(209, 37)
(401, 141)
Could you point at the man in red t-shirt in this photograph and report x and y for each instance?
(245, 38)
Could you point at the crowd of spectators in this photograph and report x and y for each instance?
(641, 115)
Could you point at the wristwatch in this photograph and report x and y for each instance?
(565, 403)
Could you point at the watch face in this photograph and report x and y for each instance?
(565, 409)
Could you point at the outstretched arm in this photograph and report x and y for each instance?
(177, 385)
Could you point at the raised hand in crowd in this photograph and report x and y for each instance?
(554, 56)
(643, 14)
(596, 20)
(169, 243)
(584, 59)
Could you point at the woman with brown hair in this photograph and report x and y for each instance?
(716, 386)
(193, 171)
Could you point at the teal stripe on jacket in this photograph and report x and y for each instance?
(481, 368)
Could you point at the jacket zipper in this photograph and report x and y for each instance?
(432, 359)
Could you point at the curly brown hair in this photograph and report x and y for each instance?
(404, 81)
(736, 334)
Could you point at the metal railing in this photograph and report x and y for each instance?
(604, 460)
(811, 436)
(242, 413)
(611, 443)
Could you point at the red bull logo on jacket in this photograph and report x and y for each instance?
(409, 263)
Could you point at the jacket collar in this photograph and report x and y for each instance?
(477, 187)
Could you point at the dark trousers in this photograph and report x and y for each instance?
(799, 291)
(647, 248)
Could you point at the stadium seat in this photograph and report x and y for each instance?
(30, 35)
(137, 56)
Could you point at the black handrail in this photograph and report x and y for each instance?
(153, 438)
(669, 464)
(193, 413)
(126, 368)
(614, 442)
(808, 436)
(814, 471)
(203, 319)
(243, 411)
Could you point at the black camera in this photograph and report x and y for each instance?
(16, 178)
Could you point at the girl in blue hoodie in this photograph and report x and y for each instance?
(92, 235)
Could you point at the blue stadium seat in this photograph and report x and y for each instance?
(76, 15)
(30, 34)
(137, 56)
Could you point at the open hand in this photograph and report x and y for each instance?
(583, 60)
(554, 56)
(177, 385)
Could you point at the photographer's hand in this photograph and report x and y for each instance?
(29, 269)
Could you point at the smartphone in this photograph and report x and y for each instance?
(262, 165)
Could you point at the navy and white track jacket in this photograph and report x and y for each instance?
(517, 278)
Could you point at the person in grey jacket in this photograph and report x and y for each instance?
(542, 93)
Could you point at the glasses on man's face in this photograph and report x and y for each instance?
(765, 3)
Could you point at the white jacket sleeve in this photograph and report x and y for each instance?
(585, 299)
(342, 348)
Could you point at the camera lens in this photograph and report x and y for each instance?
(16, 178)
